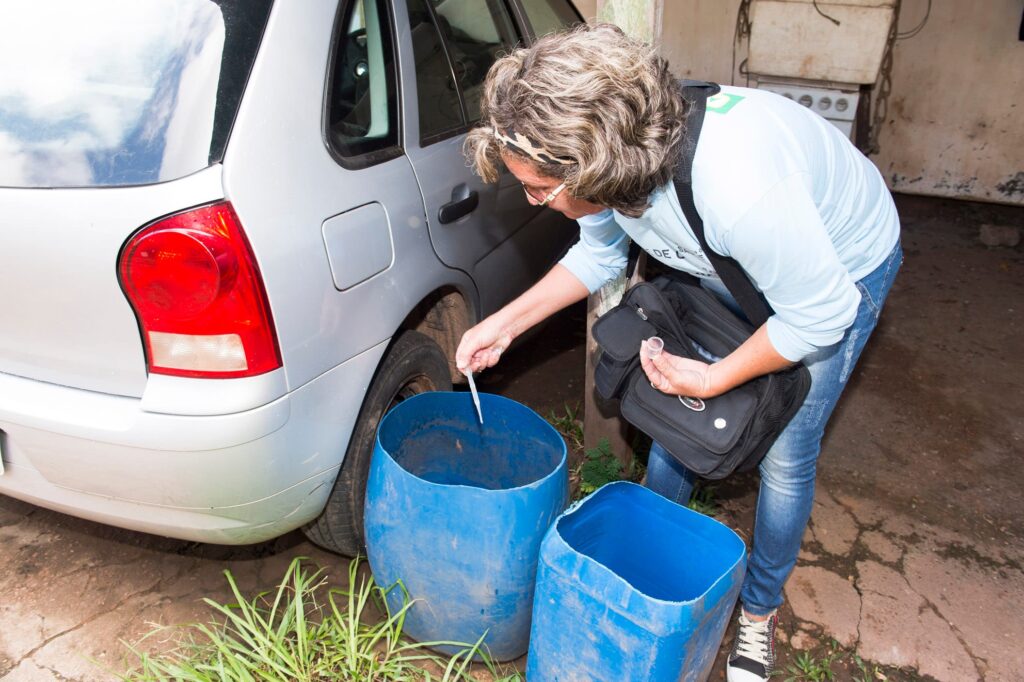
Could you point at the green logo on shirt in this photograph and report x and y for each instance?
(722, 103)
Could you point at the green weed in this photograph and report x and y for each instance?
(599, 466)
(296, 634)
(830, 661)
(867, 673)
(570, 425)
(703, 499)
(808, 667)
(638, 470)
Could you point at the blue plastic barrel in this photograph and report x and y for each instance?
(631, 586)
(457, 510)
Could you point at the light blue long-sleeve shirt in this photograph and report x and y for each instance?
(782, 192)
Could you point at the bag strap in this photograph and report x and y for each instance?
(733, 276)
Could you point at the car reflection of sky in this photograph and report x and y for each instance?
(109, 92)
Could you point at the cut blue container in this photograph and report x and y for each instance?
(632, 586)
(456, 511)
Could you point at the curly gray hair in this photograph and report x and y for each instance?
(603, 107)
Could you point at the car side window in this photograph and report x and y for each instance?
(439, 106)
(476, 33)
(548, 16)
(362, 111)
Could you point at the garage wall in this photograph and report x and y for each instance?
(696, 34)
(956, 117)
(955, 124)
(588, 8)
(697, 38)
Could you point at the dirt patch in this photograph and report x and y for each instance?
(931, 422)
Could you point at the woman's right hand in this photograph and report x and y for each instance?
(481, 346)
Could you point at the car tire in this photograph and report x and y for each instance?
(413, 364)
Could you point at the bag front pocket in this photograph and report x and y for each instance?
(619, 333)
(610, 375)
(699, 434)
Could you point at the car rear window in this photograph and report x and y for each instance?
(120, 92)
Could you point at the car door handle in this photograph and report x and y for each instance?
(464, 200)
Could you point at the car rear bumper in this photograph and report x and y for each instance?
(231, 479)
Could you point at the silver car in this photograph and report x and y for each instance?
(232, 234)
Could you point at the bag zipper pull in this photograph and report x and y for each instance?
(640, 312)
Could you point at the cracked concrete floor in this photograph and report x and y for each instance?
(914, 553)
(913, 557)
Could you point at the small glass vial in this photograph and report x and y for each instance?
(655, 345)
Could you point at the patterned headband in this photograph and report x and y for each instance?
(526, 146)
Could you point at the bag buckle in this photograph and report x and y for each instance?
(695, 404)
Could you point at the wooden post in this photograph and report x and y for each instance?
(600, 417)
(640, 19)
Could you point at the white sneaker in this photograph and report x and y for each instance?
(753, 652)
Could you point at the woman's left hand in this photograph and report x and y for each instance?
(674, 375)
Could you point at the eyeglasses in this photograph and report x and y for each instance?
(544, 201)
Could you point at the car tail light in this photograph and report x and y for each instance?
(199, 297)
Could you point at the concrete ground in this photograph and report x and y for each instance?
(912, 568)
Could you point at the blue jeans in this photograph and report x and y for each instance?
(788, 470)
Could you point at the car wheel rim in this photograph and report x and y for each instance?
(414, 386)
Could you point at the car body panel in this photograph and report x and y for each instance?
(61, 244)
(254, 522)
(283, 212)
(85, 430)
(358, 244)
(504, 227)
(198, 397)
(75, 452)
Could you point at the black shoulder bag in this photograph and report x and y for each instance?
(715, 436)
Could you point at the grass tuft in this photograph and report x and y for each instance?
(807, 667)
(296, 633)
(830, 661)
(570, 425)
(703, 499)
